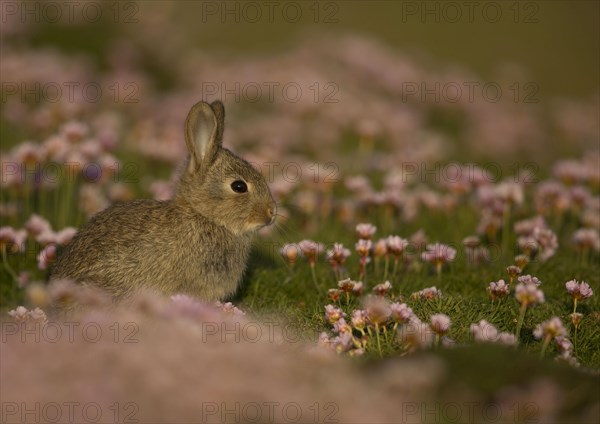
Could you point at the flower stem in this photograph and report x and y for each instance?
(505, 224)
(545, 346)
(520, 321)
(574, 305)
(385, 269)
(314, 277)
(9, 269)
(378, 341)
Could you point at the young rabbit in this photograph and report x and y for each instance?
(197, 243)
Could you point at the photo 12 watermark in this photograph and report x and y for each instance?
(69, 412)
(270, 91)
(269, 12)
(70, 92)
(68, 332)
(69, 12)
(469, 92)
(269, 412)
(453, 12)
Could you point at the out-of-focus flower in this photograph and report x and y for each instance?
(382, 289)
(380, 248)
(65, 235)
(358, 288)
(363, 247)
(378, 309)
(359, 319)
(341, 326)
(418, 240)
(547, 242)
(438, 254)
(311, 250)
(337, 256)
(528, 279)
(485, 332)
(365, 231)
(529, 294)
(427, 294)
(576, 318)
(20, 314)
(332, 314)
(550, 328)
(440, 323)
(510, 192)
(36, 225)
(396, 245)
(290, 252)
(498, 290)
(47, 256)
(401, 313)
(12, 240)
(513, 272)
(334, 294)
(586, 238)
(521, 261)
(527, 226)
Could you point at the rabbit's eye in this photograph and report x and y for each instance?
(239, 186)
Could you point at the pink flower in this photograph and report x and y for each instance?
(579, 291)
(440, 323)
(47, 256)
(547, 242)
(36, 225)
(12, 240)
(333, 314)
(528, 279)
(529, 294)
(311, 250)
(439, 254)
(510, 192)
(65, 235)
(586, 238)
(396, 245)
(401, 313)
(20, 314)
(334, 294)
(380, 249)
(359, 319)
(378, 310)
(382, 289)
(486, 332)
(341, 326)
(290, 252)
(550, 329)
(363, 247)
(347, 285)
(498, 289)
(365, 231)
(427, 294)
(338, 255)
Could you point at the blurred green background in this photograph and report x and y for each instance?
(557, 43)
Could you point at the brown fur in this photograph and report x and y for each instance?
(197, 244)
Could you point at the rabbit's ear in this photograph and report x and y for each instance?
(201, 136)
(219, 111)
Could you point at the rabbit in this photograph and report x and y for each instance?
(197, 243)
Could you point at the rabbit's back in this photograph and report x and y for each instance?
(162, 246)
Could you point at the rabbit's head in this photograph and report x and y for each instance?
(218, 184)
